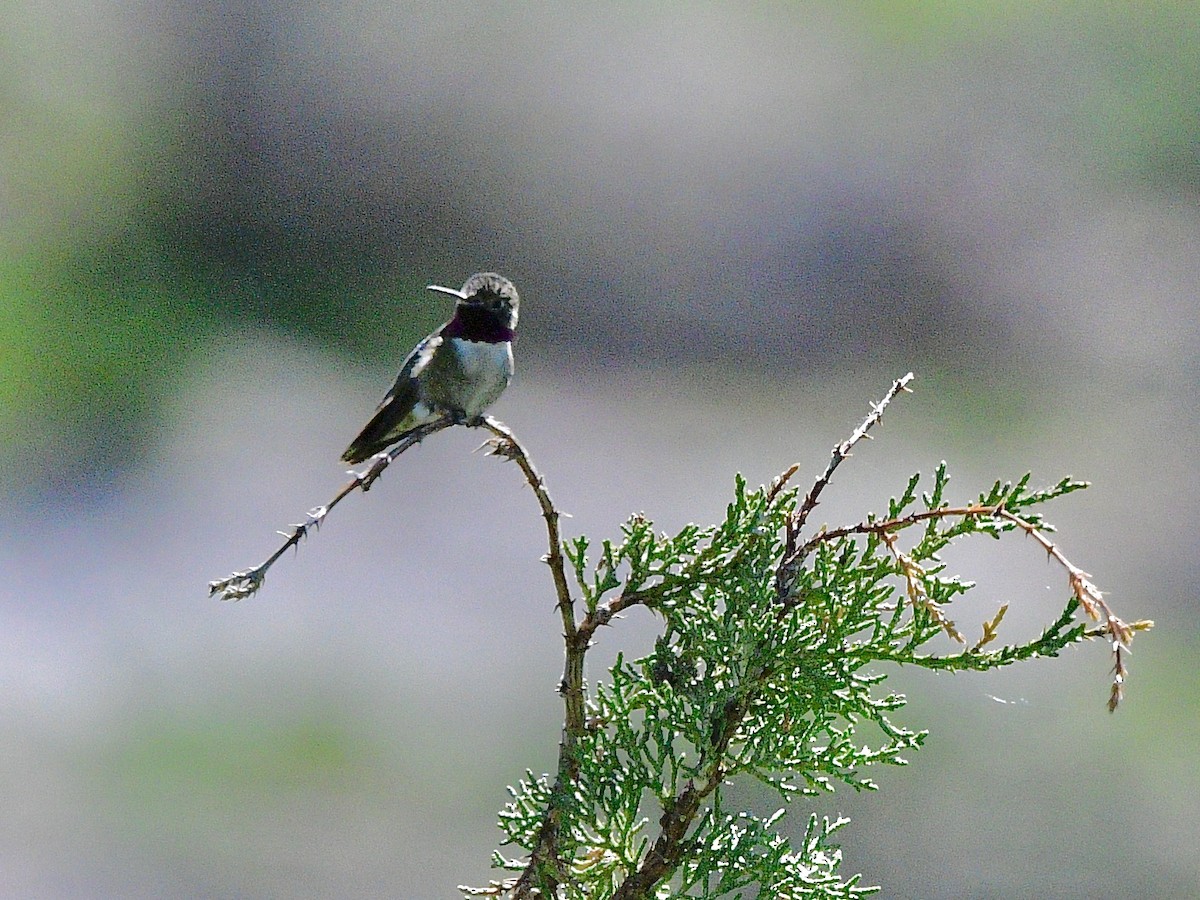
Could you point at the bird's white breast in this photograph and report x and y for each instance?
(487, 368)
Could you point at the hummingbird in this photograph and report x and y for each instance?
(459, 370)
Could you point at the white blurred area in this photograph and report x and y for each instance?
(732, 227)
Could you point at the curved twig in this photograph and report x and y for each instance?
(546, 868)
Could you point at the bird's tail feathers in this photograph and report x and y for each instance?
(375, 436)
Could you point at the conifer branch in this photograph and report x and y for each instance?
(1090, 598)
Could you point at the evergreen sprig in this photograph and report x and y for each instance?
(767, 667)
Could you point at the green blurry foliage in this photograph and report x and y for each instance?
(96, 344)
(1119, 81)
(99, 337)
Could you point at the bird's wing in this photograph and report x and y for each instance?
(404, 391)
(388, 421)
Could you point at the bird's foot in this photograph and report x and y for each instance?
(458, 417)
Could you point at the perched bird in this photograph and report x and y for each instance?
(461, 369)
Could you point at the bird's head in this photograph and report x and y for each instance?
(488, 291)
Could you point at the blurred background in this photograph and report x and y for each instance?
(732, 226)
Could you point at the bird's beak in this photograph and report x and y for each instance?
(453, 292)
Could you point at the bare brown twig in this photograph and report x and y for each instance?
(605, 612)
(1090, 598)
(545, 864)
(886, 525)
(1119, 632)
(786, 571)
(241, 585)
(914, 587)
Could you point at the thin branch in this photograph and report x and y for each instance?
(781, 482)
(246, 583)
(788, 566)
(914, 586)
(883, 526)
(507, 446)
(546, 868)
(1119, 632)
(1090, 598)
(842, 450)
(605, 612)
